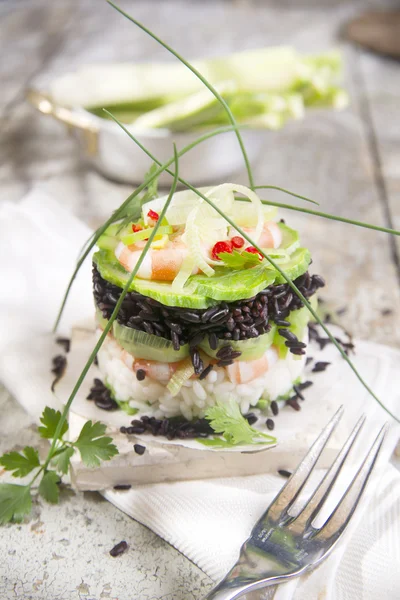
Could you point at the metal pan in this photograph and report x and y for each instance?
(107, 148)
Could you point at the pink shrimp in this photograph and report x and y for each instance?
(160, 264)
(159, 371)
(243, 371)
(271, 235)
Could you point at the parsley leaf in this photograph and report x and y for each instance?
(92, 446)
(239, 260)
(21, 463)
(50, 419)
(61, 460)
(15, 502)
(227, 420)
(48, 487)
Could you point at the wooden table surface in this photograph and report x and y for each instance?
(348, 161)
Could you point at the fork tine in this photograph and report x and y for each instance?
(314, 504)
(340, 517)
(297, 481)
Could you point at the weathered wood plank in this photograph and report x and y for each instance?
(381, 79)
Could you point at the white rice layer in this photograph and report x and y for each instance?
(152, 398)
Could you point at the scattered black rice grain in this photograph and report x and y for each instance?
(298, 392)
(304, 385)
(122, 486)
(106, 403)
(251, 418)
(139, 449)
(309, 359)
(270, 424)
(293, 403)
(284, 473)
(119, 549)
(59, 363)
(320, 366)
(140, 374)
(386, 312)
(102, 396)
(64, 342)
(274, 407)
(96, 361)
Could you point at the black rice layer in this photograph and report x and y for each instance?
(238, 320)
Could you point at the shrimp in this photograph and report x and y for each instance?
(158, 371)
(163, 264)
(271, 235)
(243, 371)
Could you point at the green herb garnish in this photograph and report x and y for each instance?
(227, 421)
(239, 260)
(16, 500)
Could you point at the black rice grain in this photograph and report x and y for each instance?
(251, 418)
(274, 407)
(293, 403)
(298, 392)
(284, 473)
(320, 366)
(139, 449)
(206, 371)
(140, 374)
(270, 424)
(64, 342)
(304, 385)
(59, 363)
(119, 549)
(288, 335)
(106, 403)
(122, 486)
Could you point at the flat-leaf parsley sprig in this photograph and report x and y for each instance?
(92, 444)
(228, 422)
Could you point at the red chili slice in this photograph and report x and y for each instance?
(237, 241)
(253, 250)
(153, 215)
(221, 247)
(136, 228)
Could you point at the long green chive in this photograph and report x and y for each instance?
(317, 213)
(113, 315)
(203, 80)
(94, 237)
(280, 271)
(285, 191)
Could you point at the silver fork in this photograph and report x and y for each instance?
(282, 546)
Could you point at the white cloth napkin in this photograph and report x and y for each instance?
(206, 520)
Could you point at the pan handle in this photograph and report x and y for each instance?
(72, 119)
